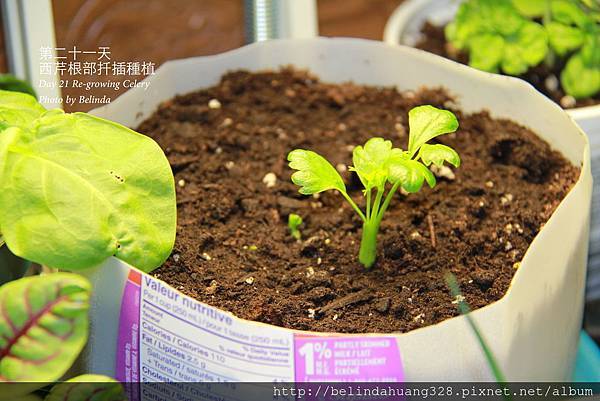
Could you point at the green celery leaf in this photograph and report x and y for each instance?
(370, 162)
(438, 154)
(486, 52)
(533, 42)
(590, 51)
(315, 174)
(578, 79)
(564, 38)
(410, 173)
(88, 387)
(463, 27)
(76, 189)
(427, 122)
(43, 328)
(503, 17)
(531, 8)
(513, 62)
(569, 13)
(525, 49)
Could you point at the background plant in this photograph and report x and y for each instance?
(377, 164)
(574, 35)
(496, 37)
(505, 35)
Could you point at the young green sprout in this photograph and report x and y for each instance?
(377, 164)
(294, 222)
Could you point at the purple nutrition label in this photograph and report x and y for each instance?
(166, 336)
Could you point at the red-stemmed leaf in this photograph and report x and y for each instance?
(43, 327)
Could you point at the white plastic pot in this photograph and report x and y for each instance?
(404, 27)
(533, 329)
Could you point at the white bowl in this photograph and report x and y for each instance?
(533, 329)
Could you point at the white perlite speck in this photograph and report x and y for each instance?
(506, 199)
(270, 179)
(214, 104)
(568, 101)
(443, 172)
(458, 299)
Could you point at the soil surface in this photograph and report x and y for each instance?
(543, 78)
(233, 247)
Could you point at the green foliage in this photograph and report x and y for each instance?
(88, 387)
(294, 221)
(531, 8)
(497, 37)
(377, 163)
(574, 33)
(11, 83)
(315, 174)
(43, 327)
(76, 189)
(503, 35)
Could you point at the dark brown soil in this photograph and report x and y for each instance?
(543, 78)
(233, 247)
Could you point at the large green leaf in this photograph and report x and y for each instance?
(315, 174)
(88, 388)
(427, 122)
(28, 397)
(76, 189)
(43, 327)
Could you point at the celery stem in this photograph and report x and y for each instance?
(368, 243)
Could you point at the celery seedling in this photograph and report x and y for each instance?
(377, 164)
(294, 222)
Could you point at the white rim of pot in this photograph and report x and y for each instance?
(405, 12)
(106, 111)
(375, 63)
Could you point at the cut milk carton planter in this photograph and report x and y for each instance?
(404, 27)
(138, 321)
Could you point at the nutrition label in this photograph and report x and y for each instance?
(166, 336)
